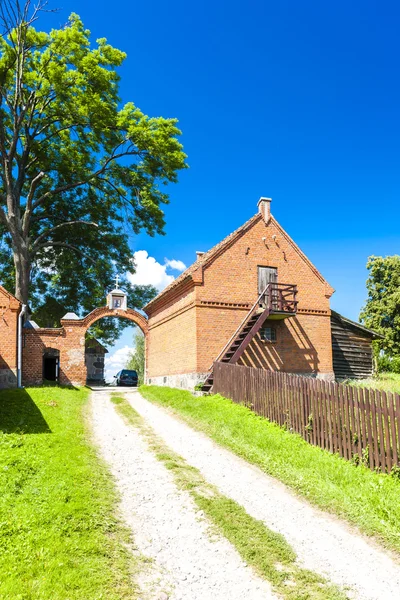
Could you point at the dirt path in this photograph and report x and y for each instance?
(323, 544)
(188, 560)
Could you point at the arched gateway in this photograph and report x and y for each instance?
(69, 341)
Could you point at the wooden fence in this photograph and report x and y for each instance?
(360, 424)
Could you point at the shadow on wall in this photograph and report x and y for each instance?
(292, 353)
(8, 375)
(19, 413)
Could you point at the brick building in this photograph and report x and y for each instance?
(254, 299)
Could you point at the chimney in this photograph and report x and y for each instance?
(199, 254)
(264, 207)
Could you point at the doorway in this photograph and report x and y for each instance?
(51, 364)
(268, 275)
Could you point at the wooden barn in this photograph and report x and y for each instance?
(351, 348)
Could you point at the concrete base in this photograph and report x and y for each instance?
(326, 376)
(8, 378)
(322, 376)
(185, 381)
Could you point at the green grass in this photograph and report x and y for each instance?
(389, 382)
(366, 499)
(266, 551)
(59, 537)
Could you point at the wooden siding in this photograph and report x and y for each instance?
(351, 350)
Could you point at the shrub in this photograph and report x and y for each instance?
(388, 364)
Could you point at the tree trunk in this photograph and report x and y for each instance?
(22, 271)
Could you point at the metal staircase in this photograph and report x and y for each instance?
(277, 301)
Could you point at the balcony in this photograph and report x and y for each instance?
(280, 299)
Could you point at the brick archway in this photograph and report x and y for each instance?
(69, 340)
(73, 368)
(104, 311)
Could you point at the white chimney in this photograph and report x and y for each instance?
(264, 207)
(199, 254)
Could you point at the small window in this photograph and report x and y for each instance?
(268, 334)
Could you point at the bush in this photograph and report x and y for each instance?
(388, 364)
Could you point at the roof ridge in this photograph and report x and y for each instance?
(205, 258)
(9, 294)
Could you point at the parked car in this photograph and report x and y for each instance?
(126, 377)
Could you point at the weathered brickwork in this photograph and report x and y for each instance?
(222, 288)
(9, 310)
(69, 340)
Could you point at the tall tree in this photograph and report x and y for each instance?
(382, 309)
(79, 172)
(137, 358)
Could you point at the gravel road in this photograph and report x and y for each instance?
(188, 560)
(323, 544)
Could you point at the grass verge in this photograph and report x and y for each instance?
(366, 499)
(266, 551)
(59, 537)
(389, 382)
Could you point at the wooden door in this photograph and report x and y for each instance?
(267, 275)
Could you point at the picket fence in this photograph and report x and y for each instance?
(360, 424)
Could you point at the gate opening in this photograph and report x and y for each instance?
(51, 364)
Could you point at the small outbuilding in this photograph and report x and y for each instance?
(352, 351)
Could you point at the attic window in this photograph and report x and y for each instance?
(268, 334)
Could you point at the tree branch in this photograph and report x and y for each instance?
(71, 186)
(28, 209)
(67, 223)
(65, 245)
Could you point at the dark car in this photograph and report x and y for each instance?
(126, 377)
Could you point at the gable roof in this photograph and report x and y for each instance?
(355, 325)
(205, 258)
(9, 295)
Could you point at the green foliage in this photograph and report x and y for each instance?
(382, 309)
(83, 171)
(137, 359)
(388, 364)
(365, 498)
(59, 537)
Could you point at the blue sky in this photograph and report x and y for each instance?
(298, 101)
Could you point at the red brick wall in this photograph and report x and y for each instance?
(70, 341)
(171, 341)
(9, 310)
(304, 343)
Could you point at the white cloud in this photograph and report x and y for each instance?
(115, 361)
(176, 265)
(151, 272)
